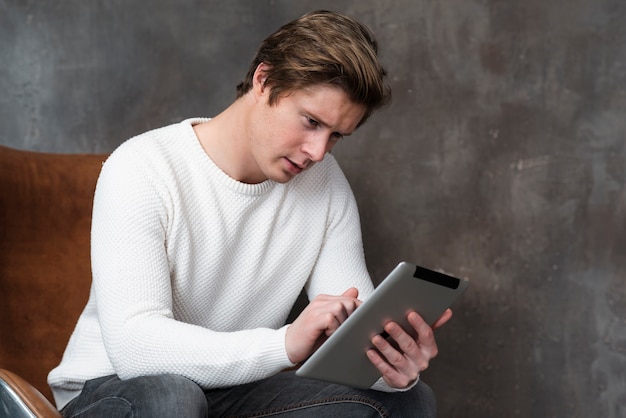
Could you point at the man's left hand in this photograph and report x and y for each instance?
(401, 365)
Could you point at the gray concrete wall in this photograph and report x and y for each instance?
(501, 159)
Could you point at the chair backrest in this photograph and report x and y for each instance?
(45, 271)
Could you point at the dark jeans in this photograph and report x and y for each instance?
(283, 395)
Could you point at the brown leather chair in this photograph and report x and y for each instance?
(45, 271)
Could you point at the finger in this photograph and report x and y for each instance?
(350, 299)
(327, 303)
(353, 292)
(405, 342)
(394, 357)
(425, 336)
(380, 363)
(336, 312)
(341, 310)
(445, 317)
(332, 323)
(391, 375)
(405, 353)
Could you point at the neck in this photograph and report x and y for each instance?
(225, 139)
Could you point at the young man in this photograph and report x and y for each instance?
(204, 233)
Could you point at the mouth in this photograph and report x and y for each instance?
(294, 167)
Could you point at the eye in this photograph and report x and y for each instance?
(336, 136)
(312, 122)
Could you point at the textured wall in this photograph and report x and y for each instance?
(501, 159)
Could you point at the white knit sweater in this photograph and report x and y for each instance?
(195, 273)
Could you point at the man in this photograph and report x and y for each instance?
(204, 232)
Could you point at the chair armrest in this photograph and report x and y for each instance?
(24, 397)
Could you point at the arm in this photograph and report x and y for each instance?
(341, 265)
(132, 284)
(339, 276)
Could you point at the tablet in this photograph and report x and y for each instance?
(342, 357)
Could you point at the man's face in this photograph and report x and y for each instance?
(299, 129)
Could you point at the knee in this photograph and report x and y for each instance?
(417, 402)
(427, 398)
(420, 401)
(175, 396)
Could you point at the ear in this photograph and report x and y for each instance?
(258, 80)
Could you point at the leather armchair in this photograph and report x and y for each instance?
(45, 271)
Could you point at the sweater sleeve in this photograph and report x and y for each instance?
(341, 262)
(134, 295)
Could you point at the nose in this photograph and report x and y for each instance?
(316, 147)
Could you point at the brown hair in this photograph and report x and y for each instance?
(322, 47)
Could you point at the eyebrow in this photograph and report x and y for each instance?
(321, 122)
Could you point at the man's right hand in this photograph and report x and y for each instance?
(317, 322)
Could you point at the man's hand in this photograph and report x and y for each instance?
(317, 322)
(402, 365)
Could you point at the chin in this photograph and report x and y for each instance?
(282, 179)
(281, 176)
